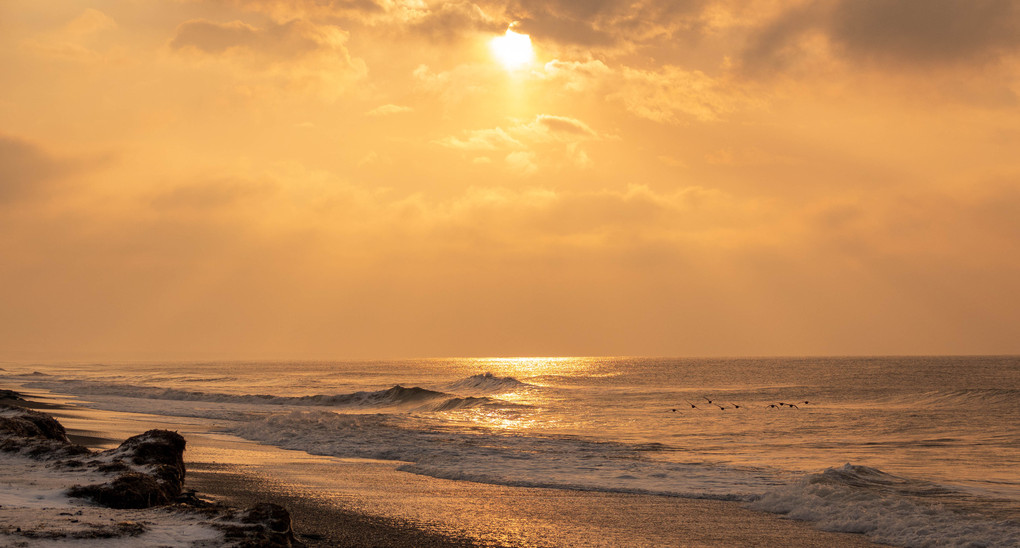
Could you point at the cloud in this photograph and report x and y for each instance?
(387, 110)
(26, 170)
(294, 56)
(672, 95)
(576, 75)
(211, 195)
(562, 124)
(522, 162)
(482, 139)
(605, 23)
(926, 31)
(451, 20)
(91, 21)
(542, 140)
(290, 9)
(903, 33)
(292, 39)
(454, 86)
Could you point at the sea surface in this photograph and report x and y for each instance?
(911, 451)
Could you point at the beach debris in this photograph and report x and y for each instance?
(34, 434)
(151, 467)
(264, 525)
(10, 395)
(149, 472)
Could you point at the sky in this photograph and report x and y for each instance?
(330, 179)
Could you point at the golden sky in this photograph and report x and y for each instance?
(197, 179)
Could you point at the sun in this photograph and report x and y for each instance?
(513, 50)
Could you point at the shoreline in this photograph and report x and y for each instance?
(474, 514)
(373, 503)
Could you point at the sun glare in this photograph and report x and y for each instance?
(513, 50)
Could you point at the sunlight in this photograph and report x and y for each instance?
(512, 50)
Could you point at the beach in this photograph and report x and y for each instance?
(577, 451)
(370, 503)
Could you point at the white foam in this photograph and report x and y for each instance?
(503, 459)
(487, 383)
(857, 499)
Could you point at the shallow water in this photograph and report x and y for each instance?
(911, 451)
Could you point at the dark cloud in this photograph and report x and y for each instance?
(450, 20)
(926, 31)
(775, 46)
(211, 195)
(290, 39)
(602, 23)
(922, 33)
(303, 8)
(25, 169)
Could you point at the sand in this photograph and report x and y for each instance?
(356, 502)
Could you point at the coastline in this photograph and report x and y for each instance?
(349, 502)
(532, 517)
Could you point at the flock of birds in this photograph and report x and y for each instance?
(776, 405)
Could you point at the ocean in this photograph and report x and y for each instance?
(910, 451)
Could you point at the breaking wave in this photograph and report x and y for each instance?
(506, 459)
(887, 508)
(394, 396)
(487, 383)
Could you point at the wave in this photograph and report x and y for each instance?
(887, 508)
(414, 398)
(487, 383)
(394, 396)
(505, 459)
(470, 402)
(992, 398)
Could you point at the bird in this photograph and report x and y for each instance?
(674, 410)
(735, 406)
(719, 406)
(692, 405)
(773, 406)
(706, 397)
(793, 406)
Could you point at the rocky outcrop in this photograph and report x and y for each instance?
(34, 434)
(147, 470)
(10, 394)
(264, 525)
(150, 468)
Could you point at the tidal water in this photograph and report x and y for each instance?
(911, 451)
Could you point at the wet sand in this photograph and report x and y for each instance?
(354, 502)
(528, 517)
(351, 503)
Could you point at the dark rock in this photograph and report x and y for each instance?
(131, 490)
(10, 395)
(264, 525)
(25, 423)
(34, 434)
(153, 472)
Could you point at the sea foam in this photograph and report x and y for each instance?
(886, 508)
